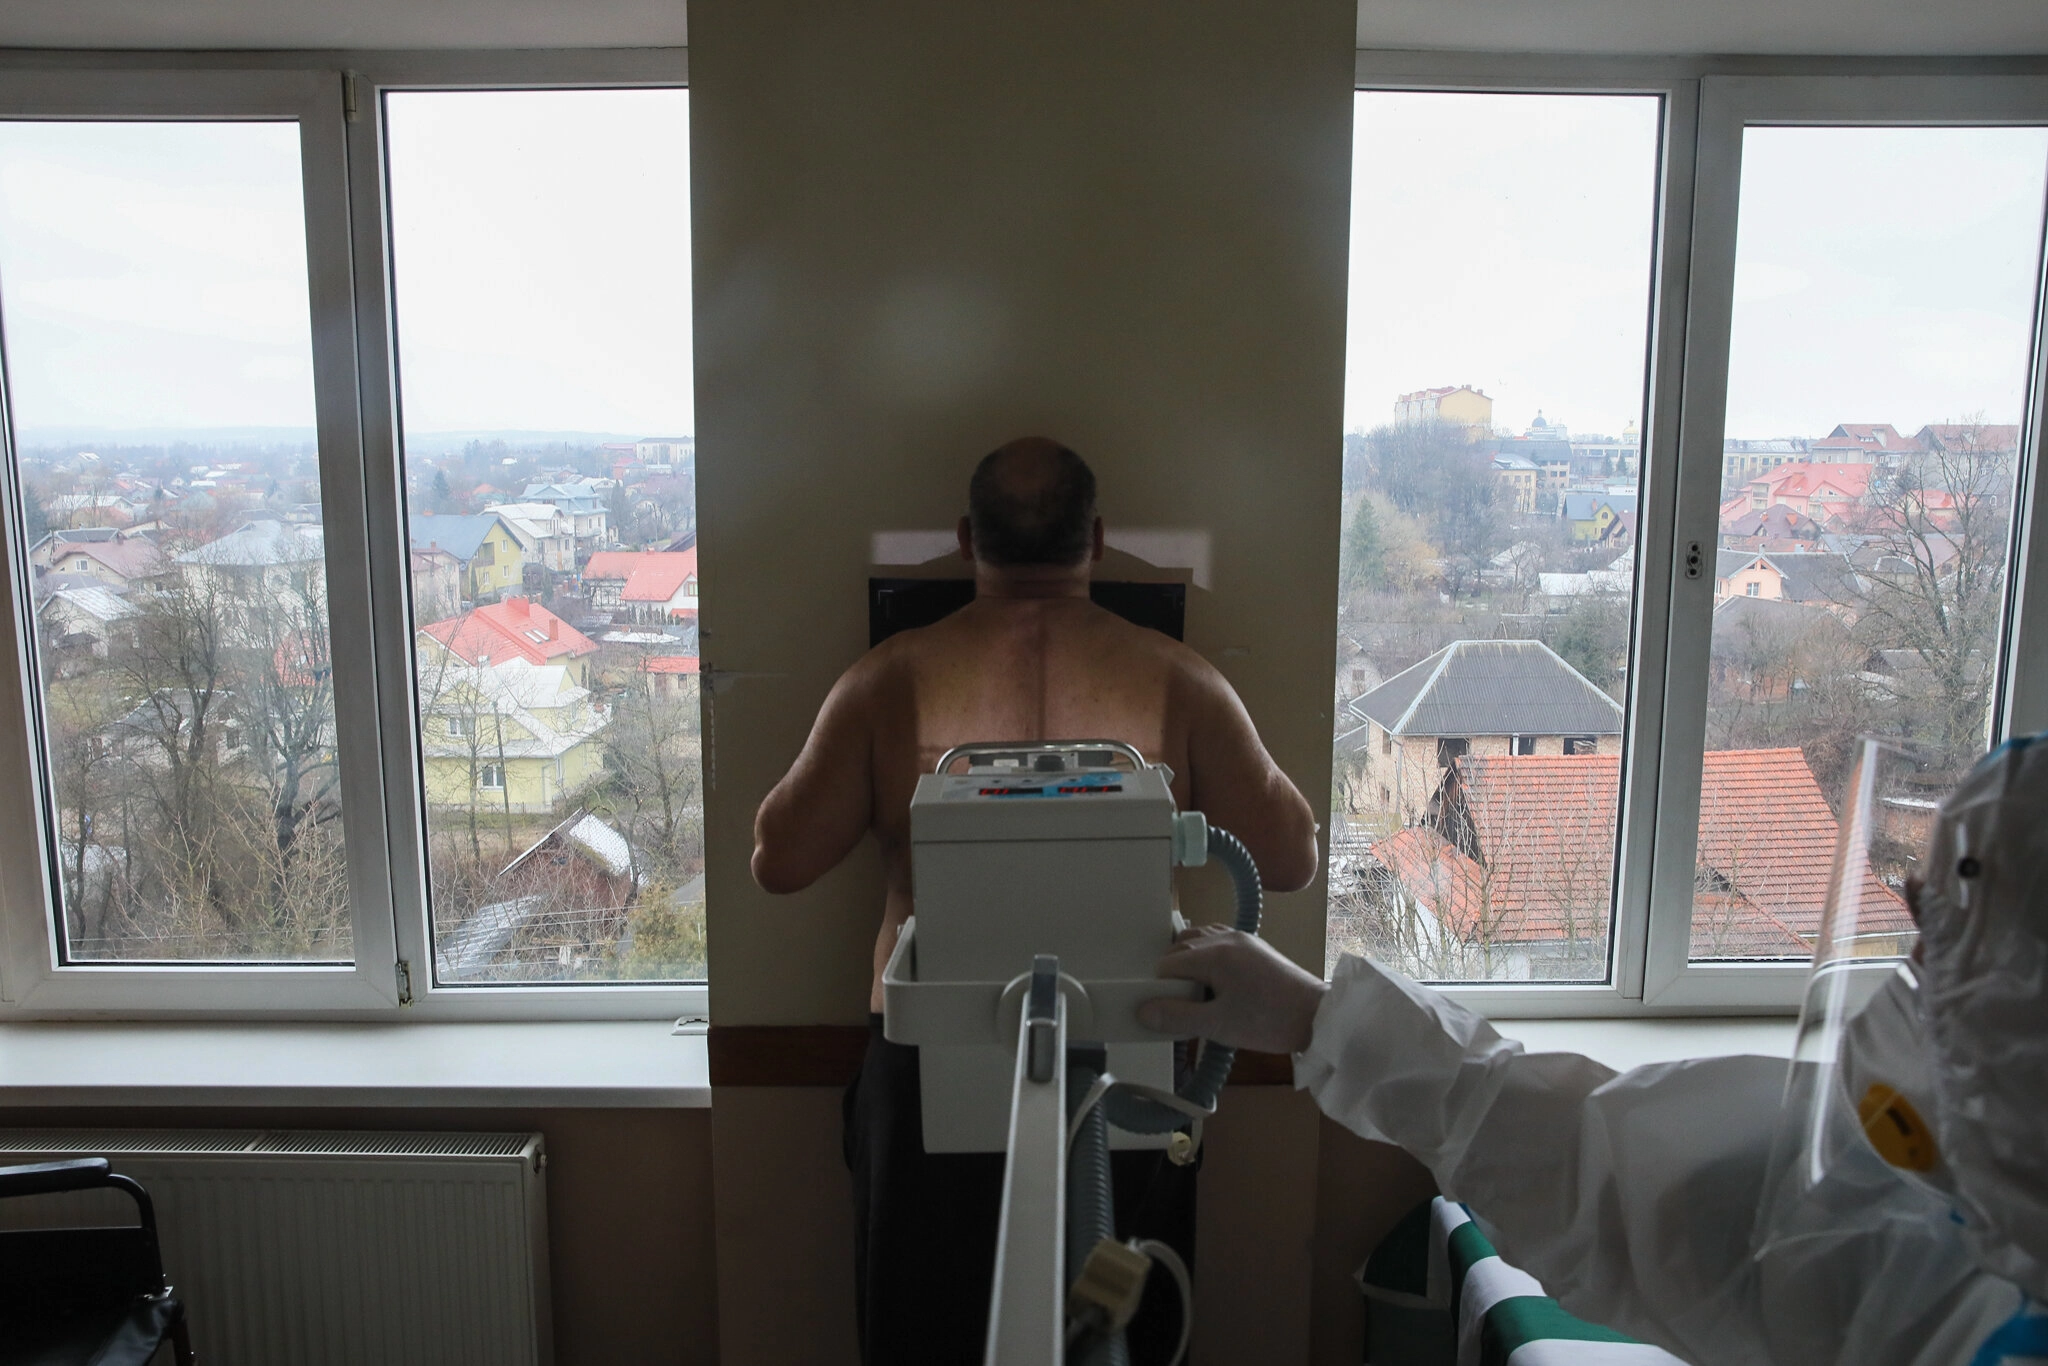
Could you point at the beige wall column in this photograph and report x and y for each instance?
(922, 228)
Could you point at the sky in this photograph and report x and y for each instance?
(1503, 241)
(152, 275)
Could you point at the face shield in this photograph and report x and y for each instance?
(1918, 1088)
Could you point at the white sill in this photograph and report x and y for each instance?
(629, 1064)
(625, 1064)
(1623, 1044)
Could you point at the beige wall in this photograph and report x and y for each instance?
(922, 228)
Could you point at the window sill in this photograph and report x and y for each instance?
(631, 1064)
(586, 1064)
(1623, 1043)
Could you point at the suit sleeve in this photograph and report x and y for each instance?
(1630, 1196)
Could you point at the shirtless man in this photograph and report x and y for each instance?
(1031, 658)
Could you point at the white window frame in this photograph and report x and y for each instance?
(33, 979)
(1707, 103)
(1728, 104)
(337, 99)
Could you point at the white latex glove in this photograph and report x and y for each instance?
(1260, 1000)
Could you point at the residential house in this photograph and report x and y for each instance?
(511, 736)
(117, 560)
(100, 508)
(1992, 438)
(1473, 697)
(1863, 443)
(1775, 528)
(436, 583)
(1820, 492)
(643, 586)
(1457, 406)
(1818, 578)
(1558, 589)
(671, 676)
(275, 572)
(672, 452)
(1552, 461)
(1592, 515)
(585, 506)
(81, 619)
(488, 550)
(1511, 876)
(547, 535)
(565, 897)
(516, 628)
(1742, 461)
(1517, 477)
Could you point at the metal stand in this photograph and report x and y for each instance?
(1027, 1308)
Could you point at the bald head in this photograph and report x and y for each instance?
(1032, 502)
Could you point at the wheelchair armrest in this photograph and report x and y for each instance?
(42, 1178)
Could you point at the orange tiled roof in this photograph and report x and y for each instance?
(649, 575)
(1539, 859)
(516, 626)
(1804, 480)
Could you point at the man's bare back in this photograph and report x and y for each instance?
(1030, 659)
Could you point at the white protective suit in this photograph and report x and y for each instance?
(1634, 1197)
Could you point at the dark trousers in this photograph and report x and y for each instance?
(925, 1225)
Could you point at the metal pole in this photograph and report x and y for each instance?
(1027, 1309)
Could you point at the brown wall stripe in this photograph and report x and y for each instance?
(829, 1055)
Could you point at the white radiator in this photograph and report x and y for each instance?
(299, 1248)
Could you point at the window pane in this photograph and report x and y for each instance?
(1500, 268)
(160, 372)
(1877, 376)
(541, 257)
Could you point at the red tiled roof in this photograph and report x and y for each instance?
(1542, 827)
(649, 575)
(1804, 480)
(1966, 436)
(670, 664)
(495, 633)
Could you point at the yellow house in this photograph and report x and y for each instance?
(1517, 478)
(517, 735)
(492, 556)
(1590, 516)
(1458, 406)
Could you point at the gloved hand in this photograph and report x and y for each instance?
(1260, 1000)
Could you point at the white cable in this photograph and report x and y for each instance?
(1167, 1257)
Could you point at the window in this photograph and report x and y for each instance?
(1858, 400)
(1888, 615)
(175, 840)
(1500, 608)
(204, 518)
(576, 852)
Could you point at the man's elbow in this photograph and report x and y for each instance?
(778, 865)
(1296, 855)
(775, 874)
(1294, 867)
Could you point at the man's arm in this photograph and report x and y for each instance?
(825, 803)
(1235, 783)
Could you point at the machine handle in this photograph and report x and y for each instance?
(1035, 747)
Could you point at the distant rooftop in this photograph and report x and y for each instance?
(1492, 687)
